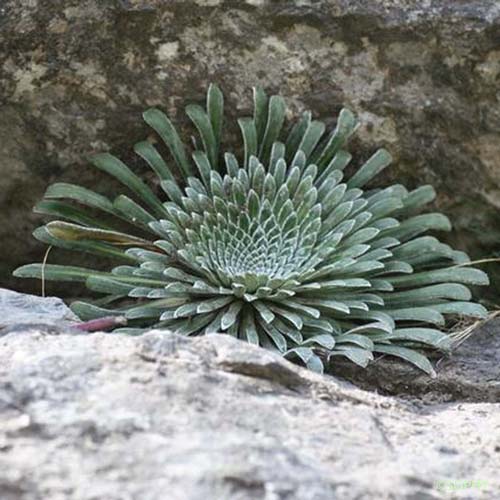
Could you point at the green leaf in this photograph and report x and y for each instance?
(276, 117)
(277, 153)
(418, 198)
(370, 169)
(304, 353)
(210, 305)
(116, 168)
(310, 311)
(295, 136)
(265, 313)
(163, 126)
(192, 325)
(293, 318)
(346, 125)
(81, 195)
(260, 112)
(173, 191)
(462, 308)
(311, 137)
(338, 163)
(429, 336)
(249, 133)
(132, 211)
(215, 110)
(315, 364)
(429, 294)
(232, 166)
(88, 312)
(72, 232)
(354, 338)
(54, 272)
(357, 355)
(92, 247)
(149, 153)
(68, 212)
(202, 123)
(204, 168)
(278, 339)
(413, 357)
(231, 315)
(465, 275)
(249, 328)
(104, 284)
(424, 314)
(419, 224)
(324, 340)
(333, 305)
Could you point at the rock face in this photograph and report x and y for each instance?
(18, 311)
(422, 76)
(107, 416)
(162, 416)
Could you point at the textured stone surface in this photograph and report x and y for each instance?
(18, 310)
(112, 417)
(423, 77)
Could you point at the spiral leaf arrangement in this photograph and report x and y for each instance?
(278, 248)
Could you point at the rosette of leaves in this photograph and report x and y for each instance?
(278, 247)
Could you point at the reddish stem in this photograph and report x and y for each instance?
(102, 324)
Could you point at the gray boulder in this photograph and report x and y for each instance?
(19, 311)
(105, 416)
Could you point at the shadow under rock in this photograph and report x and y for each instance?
(471, 373)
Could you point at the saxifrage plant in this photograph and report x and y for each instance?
(277, 248)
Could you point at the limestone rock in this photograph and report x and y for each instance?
(105, 416)
(422, 76)
(18, 311)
